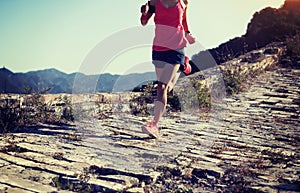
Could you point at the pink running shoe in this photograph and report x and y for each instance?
(151, 129)
(187, 67)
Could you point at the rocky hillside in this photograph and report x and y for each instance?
(267, 26)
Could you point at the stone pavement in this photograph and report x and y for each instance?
(250, 144)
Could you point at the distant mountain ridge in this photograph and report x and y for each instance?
(54, 81)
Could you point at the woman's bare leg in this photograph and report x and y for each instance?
(165, 77)
(173, 82)
(159, 72)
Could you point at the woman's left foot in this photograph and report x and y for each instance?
(151, 129)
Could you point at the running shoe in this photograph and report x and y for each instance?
(151, 129)
(187, 67)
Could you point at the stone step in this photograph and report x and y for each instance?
(14, 183)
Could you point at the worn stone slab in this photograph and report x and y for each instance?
(25, 185)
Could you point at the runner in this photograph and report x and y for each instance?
(171, 37)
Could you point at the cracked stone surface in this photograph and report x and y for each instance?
(251, 145)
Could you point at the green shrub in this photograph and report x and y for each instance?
(233, 80)
(10, 115)
(66, 111)
(174, 104)
(194, 95)
(37, 111)
(292, 52)
(139, 105)
(33, 110)
(202, 93)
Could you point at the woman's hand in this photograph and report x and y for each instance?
(191, 39)
(145, 9)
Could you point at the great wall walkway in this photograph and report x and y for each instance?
(253, 145)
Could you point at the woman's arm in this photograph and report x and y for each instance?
(147, 11)
(188, 34)
(184, 19)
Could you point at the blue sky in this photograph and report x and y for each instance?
(40, 34)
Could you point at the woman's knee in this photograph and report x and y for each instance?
(162, 87)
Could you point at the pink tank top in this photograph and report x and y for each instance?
(169, 31)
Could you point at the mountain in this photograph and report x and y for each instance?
(292, 5)
(54, 81)
(267, 26)
(6, 86)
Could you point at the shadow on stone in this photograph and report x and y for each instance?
(108, 171)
